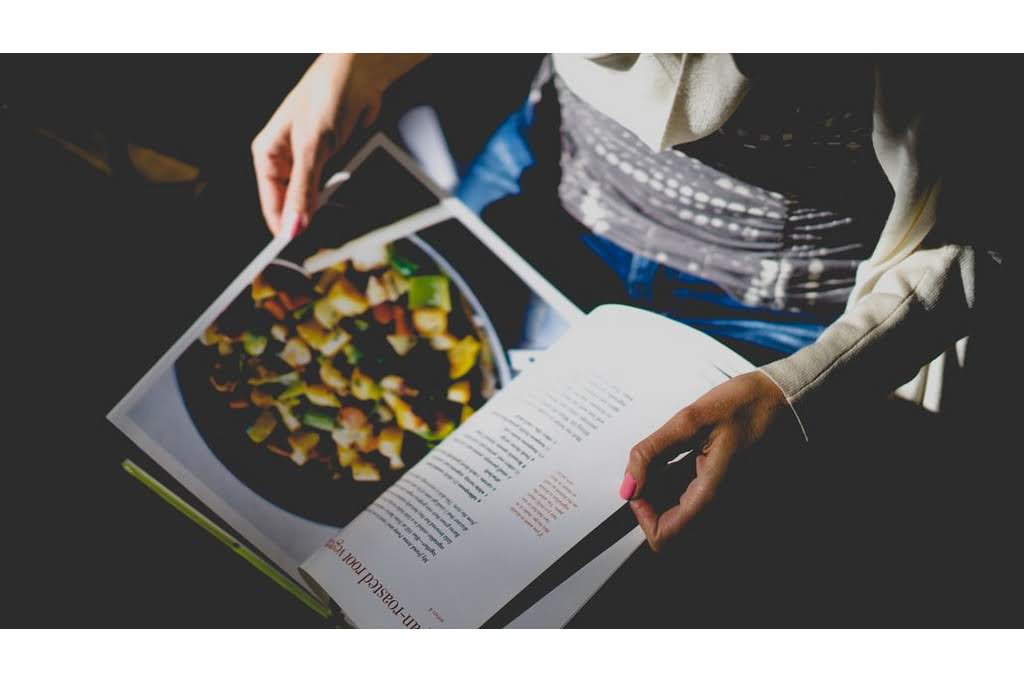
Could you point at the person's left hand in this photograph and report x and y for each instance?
(728, 419)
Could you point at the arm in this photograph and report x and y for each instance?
(915, 296)
(315, 120)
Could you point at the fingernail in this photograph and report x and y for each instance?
(294, 223)
(628, 487)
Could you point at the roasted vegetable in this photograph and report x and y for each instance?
(296, 353)
(429, 291)
(261, 289)
(460, 392)
(462, 356)
(346, 455)
(389, 443)
(365, 471)
(369, 257)
(346, 299)
(254, 344)
(302, 444)
(321, 395)
(279, 332)
(319, 419)
(352, 353)
(270, 378)
(333, 378)
(326, 341)
(326, 314)
(261, 399)
(401, 343)
(287, 416)
(404, 415)
(263, 427)
(363, 387)
(430, 322)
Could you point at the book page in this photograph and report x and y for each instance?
(522, 481)
(207, 415)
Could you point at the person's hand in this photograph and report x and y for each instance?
(731, 417)
(336, 94)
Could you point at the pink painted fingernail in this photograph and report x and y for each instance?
(294, 223)
(628, 487)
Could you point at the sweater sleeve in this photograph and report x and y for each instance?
(917, 294)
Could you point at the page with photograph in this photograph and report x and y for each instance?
(334, 363)
(522, 481)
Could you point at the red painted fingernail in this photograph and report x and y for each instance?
(628, 487)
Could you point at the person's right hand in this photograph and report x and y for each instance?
(336, 94)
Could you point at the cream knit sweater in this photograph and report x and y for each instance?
(913, 297)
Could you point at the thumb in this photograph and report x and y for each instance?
(303, 183)
(681, 433)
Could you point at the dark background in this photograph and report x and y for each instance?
(895, 526)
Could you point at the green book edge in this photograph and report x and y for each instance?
(269, 570)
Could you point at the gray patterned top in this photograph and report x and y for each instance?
(777, 208)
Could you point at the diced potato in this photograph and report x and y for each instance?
(443, 342)
(328, 342)
(333, 378)
(430, 322)
(462, 357)
(347, 456)
(321, 395)
(312, 332)
(261, 289)
(366, 442)
(376, 292)
(302, 444)
(326, 314)
(467, 412)
(365, 471)
(395, 283)
(397, 385)
(401, 343)
(369, 257)
(344, 436)
(346, 299)
(326, 280)
(404, 415)
(336, 340)
(263, 427)
(363, 387)
(279, 332)
(296, 353)
(224, 346)
(389, 443)
(392, 383)
(460, 392)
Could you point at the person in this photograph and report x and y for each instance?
(782, 203)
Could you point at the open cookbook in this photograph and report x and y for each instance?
(407, 422)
